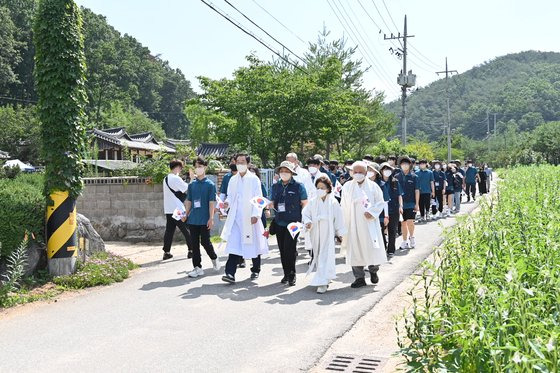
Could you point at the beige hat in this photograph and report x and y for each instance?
(288, 165)
(386, 164)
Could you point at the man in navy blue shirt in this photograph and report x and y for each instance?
(411, 199)
(201, 199)
(427, 190)
(391, 186)
(225, 180)
(439, 184)
(470, 181)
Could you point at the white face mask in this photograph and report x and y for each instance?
(321, 193)
(444, 167)
(469, 165)
(387, 173)
(313, 170)
(242, 168)
(359, 177)
(285, 176)
(437, 167)
(405, 167)
(199, 171)
(370, 174)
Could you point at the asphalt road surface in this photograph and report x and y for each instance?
(160, 320)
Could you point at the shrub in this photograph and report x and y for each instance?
(491, 302)
(7, 172)
(14, 271)
(100, 269)
(23, 209)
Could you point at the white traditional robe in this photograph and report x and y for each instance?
(327, 222)
(363, 241)
(308, 182)
(242, 237)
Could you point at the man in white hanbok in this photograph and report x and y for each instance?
(362, 202)
(243, 235)
(323, 220)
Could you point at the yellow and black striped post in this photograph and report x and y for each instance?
(61, 234)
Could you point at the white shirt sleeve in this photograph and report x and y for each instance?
(177, 184)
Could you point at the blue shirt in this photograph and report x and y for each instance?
(386, 196)
(225, 183)
(439, 179)
(329, 174)
(409, 184)
(200, 193)
(425, 178)
(470, 175)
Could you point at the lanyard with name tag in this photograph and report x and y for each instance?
(197, 204)
(281, 207)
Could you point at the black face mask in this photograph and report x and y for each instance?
(332, 168)
(233, 167)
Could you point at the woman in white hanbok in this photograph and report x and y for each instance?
(322, 218)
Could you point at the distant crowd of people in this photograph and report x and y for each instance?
(362, 205)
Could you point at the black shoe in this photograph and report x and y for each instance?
(284, 280)
(189, 254)
(390, 255)
(242, 264)
(228, 278)
(374, 277)
(292, 280)
(360, 282)
(254, 275)
(167, 256)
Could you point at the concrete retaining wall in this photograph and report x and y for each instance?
(126, 209)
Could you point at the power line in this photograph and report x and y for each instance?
(390, 16)
(263, 30)
(17, 99)
(236, 24)
(382, 19)
(281, 24)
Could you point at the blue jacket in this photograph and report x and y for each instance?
(291, 196)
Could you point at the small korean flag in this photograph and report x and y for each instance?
(260, 202)
(179, 214)
(295, 228)
(337, 189)
(221, 205)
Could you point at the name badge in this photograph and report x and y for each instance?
(281, 207)
(197, 204)
(437, 183)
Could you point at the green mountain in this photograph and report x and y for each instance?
(523, 89)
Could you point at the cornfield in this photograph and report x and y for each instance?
(490, 301)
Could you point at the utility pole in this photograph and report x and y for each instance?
(405, 80)
(447, 72)
(488, 130)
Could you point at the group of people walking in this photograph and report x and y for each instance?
(362, 205)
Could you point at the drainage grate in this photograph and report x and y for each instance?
(354, 364)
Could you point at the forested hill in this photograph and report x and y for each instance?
(126, 83)
(523, 89)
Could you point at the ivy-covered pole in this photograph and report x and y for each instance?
(60, 76)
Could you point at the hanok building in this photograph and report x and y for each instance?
(4, 155)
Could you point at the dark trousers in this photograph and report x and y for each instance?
(288, 250)
(170, 226)
(424, 203)
(392, 231)
(382, 223)
(470, 190)
(201, 234)
(233, 261)
(439, 198)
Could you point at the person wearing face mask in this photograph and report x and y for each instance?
(289, 198)
(302, 175)
(243, 232)
(394, 205)
(439, 184)
(313, 166)
(362, 202)
(411, 200)
(427, 189)
(470, 181)
(449, 189)
(201, 199)
(322, 217)
(384, 216)
(481, 179)
(458, 182)
(347, 175)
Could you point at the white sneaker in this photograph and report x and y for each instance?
(216, 264)
(322, 289)
(404, 245)
(412, 242)
(196, 272)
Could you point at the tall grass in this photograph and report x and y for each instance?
(491, 301)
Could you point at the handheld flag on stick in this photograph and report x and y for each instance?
(295, 228)
(337, 189)
(220, 205)
(260, 202)
(365, 202)
(179, 214)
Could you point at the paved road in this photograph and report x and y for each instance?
(159, 320)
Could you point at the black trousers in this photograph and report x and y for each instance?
(471, 190)
(382, 223)
(424, 203)
(170, 226)
(439, 197)
(200, 234)
(288, 250)
(392, 231)
(233, 261)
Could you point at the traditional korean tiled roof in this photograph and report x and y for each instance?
(119, 137)
(144, 137)
(4, 155)
(214, 150)
(174, 142)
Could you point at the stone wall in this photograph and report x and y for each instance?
(126, 209)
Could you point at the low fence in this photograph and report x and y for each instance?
(127, 209)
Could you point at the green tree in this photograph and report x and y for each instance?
(20, 132)
(9, 51)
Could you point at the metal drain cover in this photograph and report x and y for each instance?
(354, 363)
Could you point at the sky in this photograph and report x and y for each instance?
(195, 39)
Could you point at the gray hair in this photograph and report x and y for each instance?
(292, 155)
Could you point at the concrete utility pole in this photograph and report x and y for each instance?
(404, 80)
(447, 72)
